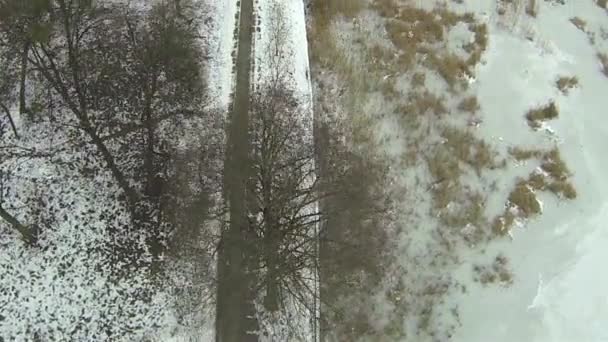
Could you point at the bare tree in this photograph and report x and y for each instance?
(283, 189)
(120, 79)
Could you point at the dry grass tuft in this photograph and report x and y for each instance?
(414, 32)
(479, 45)
(603, 62)
(469, 149)
(536, 116)
(531, 8)
(537, 181)
(557, 169)
(446, 172)
(502, 224)
(524, 154)
(523, 197)
(388, 88)
(452, 69)
(427, 102)
(326, 10)
(563, 189)
(554, 178)
(378, 57)
(413, 27)
(418, 80)
(386, 8)
(498, 272)
(564, 83)
(468, 209)
(555, 166)
(421, 103)
(579, 23)
(469, 104)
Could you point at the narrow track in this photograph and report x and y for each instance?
(234, 307)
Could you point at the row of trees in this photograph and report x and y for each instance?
(315, 207)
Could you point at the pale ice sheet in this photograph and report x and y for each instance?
(559, 292)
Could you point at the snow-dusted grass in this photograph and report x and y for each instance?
(70, 286)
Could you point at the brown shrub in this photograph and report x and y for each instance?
(503, 223)
(446, 174)
(418, 79)
(531, 8)
(331, 8)
(412, 27)
(469, 104)
(555, 166)
(524, 154)
(579, 23)
(524, 198)
(470, 209)
(451, 68)
(469, 149)
(536, 116)
(537, 181)
(479, 45)
(427, 102)
(564, 84)
(603, 62)
(563, 189)
(386, 8)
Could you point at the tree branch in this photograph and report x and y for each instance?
(10, 119)
(27, 235)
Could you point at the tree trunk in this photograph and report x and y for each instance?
(10, 119)
(23, 76)
(271, 301)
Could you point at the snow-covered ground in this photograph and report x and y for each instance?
(221, 44)
(282, 26)
(559, 291)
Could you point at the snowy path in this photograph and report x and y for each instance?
(267, 18)
(234, 304)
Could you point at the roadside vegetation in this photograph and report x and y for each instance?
(357, 66)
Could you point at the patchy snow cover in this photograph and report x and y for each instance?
(66, 289)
